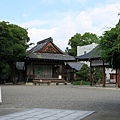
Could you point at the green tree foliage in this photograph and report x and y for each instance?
(89, 38)
(110, 45)
(13, 39)
(73, 42)
(97, 74)
(83, 73)
(80, 40)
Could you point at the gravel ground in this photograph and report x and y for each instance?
(105, 102)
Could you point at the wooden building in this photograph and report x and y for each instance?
(94, 57)
(46, 61)
(71, 69)
(95, 61)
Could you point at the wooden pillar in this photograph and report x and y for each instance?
(63, 71)
(60, 69)
(25, 72)
(29, 72)
(90, 76)
(60, 75)
(116, 76)
(119, 78)
(103, 76)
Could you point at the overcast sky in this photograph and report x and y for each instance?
(60, 19)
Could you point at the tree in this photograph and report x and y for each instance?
(97, 74)
(74, 42)
(90, 38)
(110, 45)
(80, 40)
(83, 73)
(13, 44)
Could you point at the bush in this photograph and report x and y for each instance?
(83, 73)
(81, 82)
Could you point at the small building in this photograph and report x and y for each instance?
(71, 69)
(82, 50)
(46, 61)
(94, 57)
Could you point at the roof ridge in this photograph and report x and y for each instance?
(45, 40)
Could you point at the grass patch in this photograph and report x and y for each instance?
(81, 83)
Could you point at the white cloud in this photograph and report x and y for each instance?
(36, 34)
(35, 23)
(105, 16)
(94, 20)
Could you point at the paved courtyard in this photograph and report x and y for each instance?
(61, 98)
(47, 114)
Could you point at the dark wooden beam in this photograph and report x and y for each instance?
(119, 78)
(103, 75)
(90, 76)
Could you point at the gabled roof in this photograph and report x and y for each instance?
(75, 65)
(41, 44)
(46, 49)
(93, 54)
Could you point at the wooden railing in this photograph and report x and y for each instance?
(41, 76)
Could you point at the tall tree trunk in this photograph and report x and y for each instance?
(13, 74)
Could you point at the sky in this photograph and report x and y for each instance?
(60, 19)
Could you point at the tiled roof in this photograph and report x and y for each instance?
(41, 44)
(33, 53)
(52, 56)
(45, 40)
(75, 65)
(93, 54)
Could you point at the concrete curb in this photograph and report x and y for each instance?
(97, 87)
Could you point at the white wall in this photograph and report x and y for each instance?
(108, 71)
(85, 49)
(81, 50)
